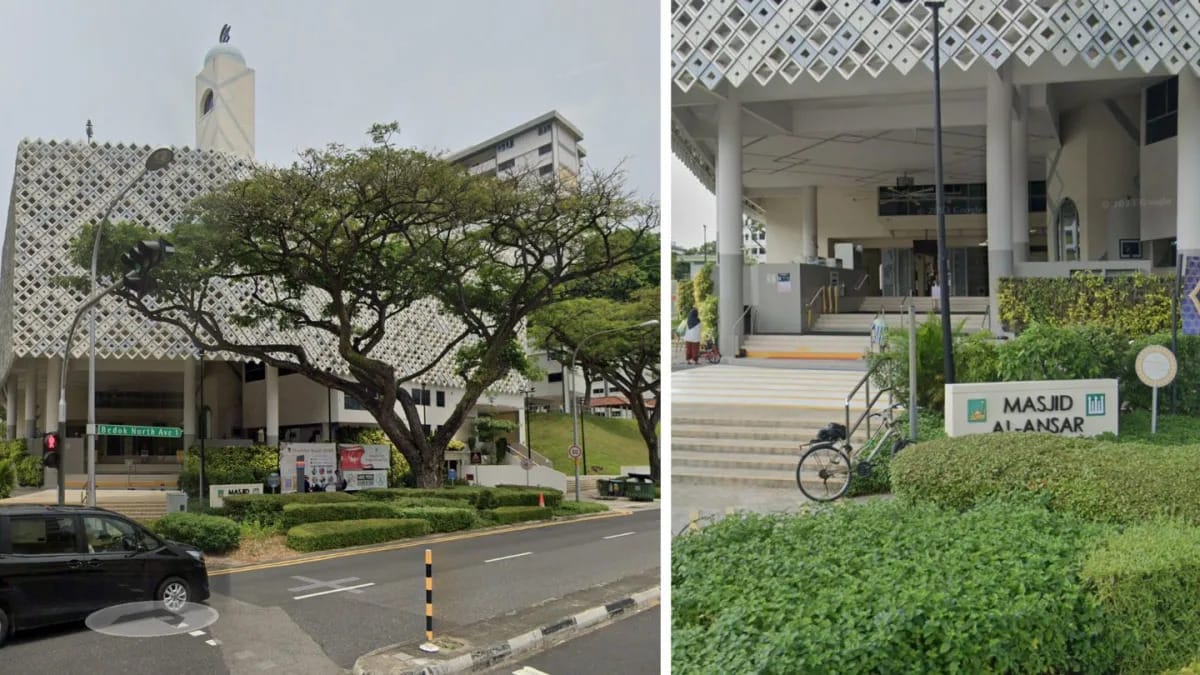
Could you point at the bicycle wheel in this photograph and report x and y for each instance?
(823, 473)
(714, 356)
(900, 444)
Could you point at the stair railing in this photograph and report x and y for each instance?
(864, 384)
(812, 302)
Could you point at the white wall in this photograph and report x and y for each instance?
(504, 474)
(1160, 171)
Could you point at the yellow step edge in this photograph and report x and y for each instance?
(815, 356)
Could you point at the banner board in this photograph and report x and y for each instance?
(311, 463)
(364, 466)
(1065, 407)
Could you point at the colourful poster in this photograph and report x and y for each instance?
(1190, 302)
(307, 467)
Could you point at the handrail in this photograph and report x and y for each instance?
(861, 281)
(815, 296)
(865, 381)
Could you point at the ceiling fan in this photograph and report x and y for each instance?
(905, 190)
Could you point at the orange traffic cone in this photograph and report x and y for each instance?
(542, 500)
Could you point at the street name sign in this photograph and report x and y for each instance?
(135, 430)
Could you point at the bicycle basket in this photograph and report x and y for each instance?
(832, 432)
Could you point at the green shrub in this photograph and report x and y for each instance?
(1131, 306)
(30, 471)
(228, 465)
(486, 500)
(429, 501)
(1094, 479)
(519, 495)
(298, 514)
(1046, 352)
(516, 514)
(578, 508)
(8, 475)
(441, 519)
(887, 587)
(1187, 379)
(268, 509)
(1148, 580)
(211, 534)
(340, 534)
(456, 493)
(685, 298)
(892, 362)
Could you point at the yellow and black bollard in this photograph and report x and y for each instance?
(429, 646)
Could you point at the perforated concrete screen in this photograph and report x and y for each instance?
(59, 187)
(733, 40)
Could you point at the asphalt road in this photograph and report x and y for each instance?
(299, 619)
(628, 646)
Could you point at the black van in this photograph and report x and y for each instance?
(60, 563)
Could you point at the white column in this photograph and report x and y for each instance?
(729, 224)
(189, 402)
(808, 221)
(1020, 180)
(521, 429)
(10, 407)
(272, 405)
(999, 183)
(50, 412)
(29, 384)
(1187, 199)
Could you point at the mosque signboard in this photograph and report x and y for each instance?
(1064, 407)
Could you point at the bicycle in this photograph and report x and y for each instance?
(710, 352)
(830, 463)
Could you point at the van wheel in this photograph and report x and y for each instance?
(173, 593)
(5, 627)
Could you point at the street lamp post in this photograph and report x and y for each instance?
(157, 161)
(575, 403)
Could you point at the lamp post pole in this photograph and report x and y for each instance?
(158, 160)
(574, 402)
(942, 252)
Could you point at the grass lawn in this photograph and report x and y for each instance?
(1172, 430)
(608, 443)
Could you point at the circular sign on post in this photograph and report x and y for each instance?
(1156, 366)
(575, 452)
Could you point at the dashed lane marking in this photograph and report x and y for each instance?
(352, 589)
(623, 534)
(509, 557)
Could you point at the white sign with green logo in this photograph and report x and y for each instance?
(218, 493)
(1066, 407)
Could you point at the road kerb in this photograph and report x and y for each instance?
(493, 655)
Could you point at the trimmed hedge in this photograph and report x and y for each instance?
(482, 498)
(211, 534)
(1132, 305)
(268, 509)
(887, 587)
(1148, 579)
(1095, 479)
(505, 515)
(299, 513)
(441, 519)
(228, 464)
(578, 508)
(457, 493)
(344, 533)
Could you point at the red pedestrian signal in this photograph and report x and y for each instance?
(51, 445)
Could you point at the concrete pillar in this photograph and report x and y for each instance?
(29, 384)
(10, 408)
(1187, 200)
(999, 183)
(729, 224)
(272, 405)
(808, 221)
(1020, 180)
(189, 403)
(50, 412)
(523, 437)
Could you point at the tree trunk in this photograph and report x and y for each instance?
(646, 421)
(424, 460)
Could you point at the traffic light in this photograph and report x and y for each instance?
(51, 446)
(141, 261)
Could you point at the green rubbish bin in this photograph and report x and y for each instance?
(640, 492)
(611, 488)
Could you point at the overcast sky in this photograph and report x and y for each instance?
(451, 73)
(692, 207)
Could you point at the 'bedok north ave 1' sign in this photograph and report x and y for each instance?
(1067, 407)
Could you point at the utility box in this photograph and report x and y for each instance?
(176, 501)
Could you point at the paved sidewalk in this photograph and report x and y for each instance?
(712, 503)
(490, 642)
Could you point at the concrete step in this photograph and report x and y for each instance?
(747, 430)
(116, 482)
(686, 475)
(861, 323)
(734, 446)
(765, 462)
(810, 347)
(894, 304)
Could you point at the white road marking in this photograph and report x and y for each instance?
(315, 583)
(509, 557)
(333, 590)
(529, 670)
(214, 643)
(196, 633)
(623, 534)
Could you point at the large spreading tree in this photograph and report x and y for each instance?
(346, 242)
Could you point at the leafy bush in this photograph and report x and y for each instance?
(211, 534)
(519, 495)
(268, 509)
(298, 514)
(7, 476)
(1045, 352)
(340, 534)
(1148, 578)
(685, 297)
(440, 518)
(30, 471)
(1187, 379)
(887, 587)
(1131, 306)
(485, 500)
(893, 361)
(578, 508)
(505, 515)
(456, 493)
(1094, 479)
(230, 464)
(429, 501)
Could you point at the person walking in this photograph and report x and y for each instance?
(690, 328)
